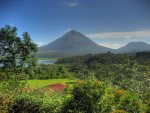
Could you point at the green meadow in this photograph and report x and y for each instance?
(34, 84)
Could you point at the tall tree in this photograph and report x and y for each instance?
(16, 52)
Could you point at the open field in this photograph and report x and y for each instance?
(33, 84)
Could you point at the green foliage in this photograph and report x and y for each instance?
(124, 84)
(73, 59)
(120, 70)
(9, 89)
(143, 58)
(86, 96)
(128, 101)
(16, 53)
(106, 58)
(49, 72)
(27, 104)
(97, 97)
(90, 60)
(33, 103)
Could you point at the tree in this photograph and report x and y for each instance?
(16, 53)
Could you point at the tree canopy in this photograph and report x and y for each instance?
(16, 52)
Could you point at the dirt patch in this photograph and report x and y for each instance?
(57, 87)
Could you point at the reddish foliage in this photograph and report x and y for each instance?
(57, 87)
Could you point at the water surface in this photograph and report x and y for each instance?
(46, 62)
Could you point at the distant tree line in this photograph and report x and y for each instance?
(143, 54)
(107, 58)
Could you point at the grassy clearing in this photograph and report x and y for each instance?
(41, 83)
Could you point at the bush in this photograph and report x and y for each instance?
(95, 97)
(86, 95)
(32, 103)
(27, 104)
(128, 101)
(8, 89)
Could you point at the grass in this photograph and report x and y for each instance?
(33, 84)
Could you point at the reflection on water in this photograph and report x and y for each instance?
(45, 62)
(40, 62)
(1, 64)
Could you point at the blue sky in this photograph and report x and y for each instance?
(111, 23)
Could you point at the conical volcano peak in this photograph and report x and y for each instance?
(73, 32)
(74, 43)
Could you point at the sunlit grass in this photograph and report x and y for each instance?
(41, 83)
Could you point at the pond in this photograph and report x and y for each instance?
(46, 62)
(41, 62)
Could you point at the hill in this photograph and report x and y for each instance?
(74, 43)
(71, 43)
(133, 47)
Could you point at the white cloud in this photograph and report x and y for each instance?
(40, 44)
(126, 35)
(72, 3)
(111, 45)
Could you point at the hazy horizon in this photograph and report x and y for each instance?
(110, 23)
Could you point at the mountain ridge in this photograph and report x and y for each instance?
(75, 43)
(134, 47)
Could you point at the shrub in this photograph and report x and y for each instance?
(8, 89)
(86, 95)
(32, 103)
(128, 101)
(27, 104)
(95, 97)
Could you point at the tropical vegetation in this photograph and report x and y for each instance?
(100, 83)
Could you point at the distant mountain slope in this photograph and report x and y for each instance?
(72, 43)
(134, 47)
